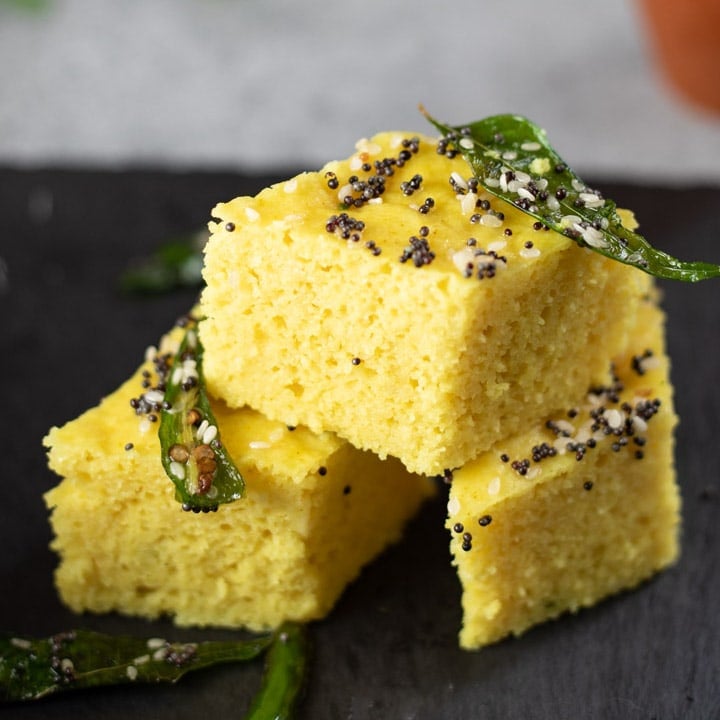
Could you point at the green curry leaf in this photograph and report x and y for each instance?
(512, 159)
(34, 668)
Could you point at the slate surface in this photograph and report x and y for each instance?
(389, 649)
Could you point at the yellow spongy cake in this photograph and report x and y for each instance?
(572, 509)
(388, 299)
(309, 521)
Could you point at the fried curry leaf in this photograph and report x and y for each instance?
(193, 455)
(35, 668)
(512, 159)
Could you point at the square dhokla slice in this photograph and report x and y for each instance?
(573, 509)
(316, 510)
(386, 299)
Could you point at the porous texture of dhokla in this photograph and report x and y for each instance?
(389, 300)
(315, 511)
(573, 509)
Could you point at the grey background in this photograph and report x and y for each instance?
(244, 85)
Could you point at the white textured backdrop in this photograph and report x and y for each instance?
(247, 84)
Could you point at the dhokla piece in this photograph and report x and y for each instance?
(573, 509)
(309, 521)
(389, 299)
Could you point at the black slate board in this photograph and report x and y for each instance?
(389, 649)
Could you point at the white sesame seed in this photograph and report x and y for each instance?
(277, 434)
(530, 146)
(639, 424)
(290, 186)
(132, 672)
(150, 353)
(259, 445)
(355, 162)
(177, 469)
(252, 214)
(509, 155)
(177, 376)
(529, 253)
(154, 643)
(210, 434)
(532, 473)
(497, 245)
(375, 201)
(525, 193)
(552, 202)
(363, 145)
(344, 191)
(154, 396)
(592, 236)
(591, 200)
(577, 185)
(523, 177)
(615, 418)
(492, 182)
(168, 345)
(593, 400)
(160, 654)
(141, 660)
(21, 643)
(204, 425)
(491, 221)
(453, 507)
(467, 203)
(212, 493)
(459, 180)
(584, 433)
(567, 221)
(466, 143)
(144, 426)
(565, 427)
(493, 487)
(649, 363)
(462, 258)
(503, 182)
(66, 664)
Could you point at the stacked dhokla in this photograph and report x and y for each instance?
(408, 324)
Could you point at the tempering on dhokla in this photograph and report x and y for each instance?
(308, 523)
(390, 299)
(578, 506)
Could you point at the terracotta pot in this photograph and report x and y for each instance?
(685, 35)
